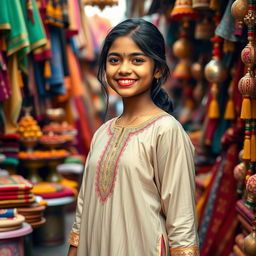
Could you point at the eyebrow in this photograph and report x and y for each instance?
(131, 54)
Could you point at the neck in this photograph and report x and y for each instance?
(137, 105)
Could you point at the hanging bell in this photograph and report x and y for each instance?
(182, 70)
(100, 3)
(204, 30)
(183, 11)
(200, 4)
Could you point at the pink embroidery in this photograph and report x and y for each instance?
(127, 136)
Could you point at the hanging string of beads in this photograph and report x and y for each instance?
(214, 72)
(247, 87)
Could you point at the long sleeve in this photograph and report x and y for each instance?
(75, 231)
(176, 183)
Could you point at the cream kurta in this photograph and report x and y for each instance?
(138, 189)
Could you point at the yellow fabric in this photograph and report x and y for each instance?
(12, 105)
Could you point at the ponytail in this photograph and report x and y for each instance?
(163, 101)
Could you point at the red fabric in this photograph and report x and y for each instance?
(63, 193)
(14, 183)
(162, 247)
(223, 220)
(22, 196)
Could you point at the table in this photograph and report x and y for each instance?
(11, 242)
(53, 231)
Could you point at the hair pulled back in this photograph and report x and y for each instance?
(151, 42)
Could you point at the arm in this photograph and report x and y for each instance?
(72, 250)
(75, 231)
(176, 183)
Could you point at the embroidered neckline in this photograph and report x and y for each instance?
(108, 163)
(136, 126)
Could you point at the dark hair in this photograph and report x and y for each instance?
(151, 42)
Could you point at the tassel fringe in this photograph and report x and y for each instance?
(230, 110)
(246, 112)
(214, 110)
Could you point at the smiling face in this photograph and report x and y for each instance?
(129, 71)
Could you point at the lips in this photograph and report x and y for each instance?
(124, 82)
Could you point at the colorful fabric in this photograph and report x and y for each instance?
(220, 216)
(136, 175)
(18, 201)
(35, 31)
(226, 27)
(12, 106)
(14, 183)
(55, 84)
(17, 196)
(63, 193)
(44, 52)
(5, 91)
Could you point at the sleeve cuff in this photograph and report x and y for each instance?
(73, 239)
(188, 251)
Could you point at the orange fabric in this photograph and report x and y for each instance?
(77, 88)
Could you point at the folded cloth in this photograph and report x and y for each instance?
(18, 201)
(14, 183)
(8, 213)
(17, 196)
(63, 193)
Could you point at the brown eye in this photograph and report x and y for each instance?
(113, 60)
(138, 60)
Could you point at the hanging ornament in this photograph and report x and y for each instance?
(204, 29)
(239, 174)
(183, 11)
(198, 74)
(182, 49)
(101, 3)
(250, 240)
(201, 4)
(230, 107)
(239, 9)
(215, 72)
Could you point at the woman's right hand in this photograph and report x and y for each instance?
(72, 251)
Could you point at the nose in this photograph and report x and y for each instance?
(124, 68)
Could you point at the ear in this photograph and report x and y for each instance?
(157, 73)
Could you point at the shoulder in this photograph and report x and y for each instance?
(168, 123)
(103, 127)
(169, 130)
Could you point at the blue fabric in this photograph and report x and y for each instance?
(226, 28)
(55, 84)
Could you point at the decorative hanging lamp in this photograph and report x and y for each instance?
(101, 3)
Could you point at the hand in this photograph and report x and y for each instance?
(72, 251)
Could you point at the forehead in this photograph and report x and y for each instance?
(124, 44)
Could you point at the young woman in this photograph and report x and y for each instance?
(137, 194)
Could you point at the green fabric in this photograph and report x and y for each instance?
(17, 38)
(36, 33)
(25, 34)
(4, 17)
(73, 160)
(10, 161)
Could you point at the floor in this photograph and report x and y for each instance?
(57, 250)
